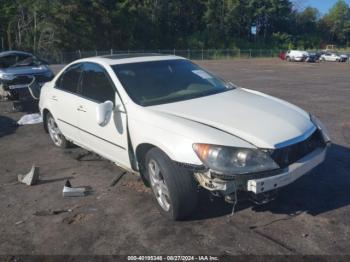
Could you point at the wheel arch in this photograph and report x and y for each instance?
(140, 153)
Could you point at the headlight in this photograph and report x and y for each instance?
(232, 160)
(6, 76)
(317, 122)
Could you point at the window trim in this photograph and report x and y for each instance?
(108, 78)
(80, 82)
(63, 73)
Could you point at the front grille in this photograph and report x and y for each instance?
(290, 154)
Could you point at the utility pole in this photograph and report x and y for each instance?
(2, 44)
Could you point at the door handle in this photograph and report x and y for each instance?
(81, 109)
(54, 98)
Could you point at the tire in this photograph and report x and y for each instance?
(174, 188)
(55, 133)
(288, 59)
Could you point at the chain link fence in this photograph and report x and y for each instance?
(194, 54)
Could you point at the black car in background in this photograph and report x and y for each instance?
(312, 57)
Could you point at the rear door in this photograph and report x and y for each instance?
(110, 140)
(64, 98)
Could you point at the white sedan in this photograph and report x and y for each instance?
(181, 128)
(333, 57)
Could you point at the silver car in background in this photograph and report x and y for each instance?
(333, 57)
(18, 69)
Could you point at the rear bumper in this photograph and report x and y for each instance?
(290, 174)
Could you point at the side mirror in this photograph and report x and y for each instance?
(104, 112)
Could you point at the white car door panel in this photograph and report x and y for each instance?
(65, 114)
(108, 140)
(64, 103)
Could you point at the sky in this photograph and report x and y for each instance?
(322, 5)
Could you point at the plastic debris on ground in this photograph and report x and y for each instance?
(69, 191)
(30, 178)
(30, 119)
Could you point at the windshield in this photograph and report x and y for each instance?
(160, 82)
(17, 60)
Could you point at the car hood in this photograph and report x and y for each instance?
(25, 70)
(262, 120)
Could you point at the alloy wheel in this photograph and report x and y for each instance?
(159, 186)
(55, 132)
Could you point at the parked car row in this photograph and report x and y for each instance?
(312, 57)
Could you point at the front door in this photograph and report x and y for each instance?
(109, 140)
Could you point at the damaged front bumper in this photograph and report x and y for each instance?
(289, 174)
(22, 81)
(261, 183)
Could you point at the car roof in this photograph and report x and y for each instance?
(13, 52)
(132, 55)
(129, 58)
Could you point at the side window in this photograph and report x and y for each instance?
(24, 59)
(9, 60)
(96, 85)
(21, 57)
(69, 80)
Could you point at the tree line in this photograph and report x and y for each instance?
(44, 26)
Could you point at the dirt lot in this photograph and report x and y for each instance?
(311, 216)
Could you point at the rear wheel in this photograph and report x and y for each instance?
(55, 133)
(174, 188)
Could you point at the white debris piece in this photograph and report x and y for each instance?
(69, 191)
(30, 119)
(31, 178)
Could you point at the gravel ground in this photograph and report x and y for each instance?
(310, 216)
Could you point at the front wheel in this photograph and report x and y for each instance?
(55, 133)
(174, 187)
